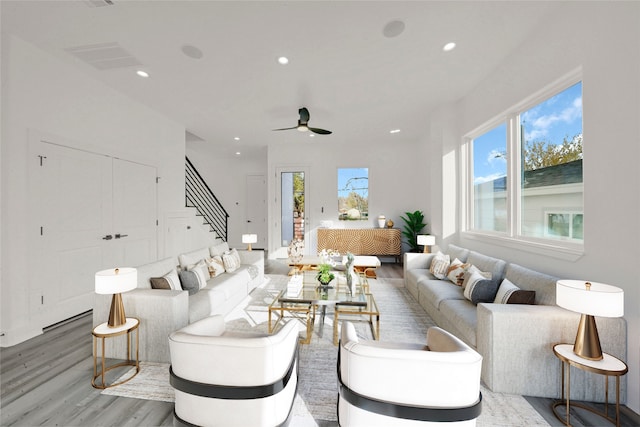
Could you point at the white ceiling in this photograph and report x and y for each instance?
(354, 80)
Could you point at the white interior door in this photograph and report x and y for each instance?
(80, 201)
(292, 217)
(256, 203)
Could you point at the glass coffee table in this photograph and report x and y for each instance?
(311, 299)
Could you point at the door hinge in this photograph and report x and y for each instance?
(42, 231)
(42, 158)
(42, 299)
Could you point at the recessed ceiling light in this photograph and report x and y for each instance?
(142, 73)
(449, 47)
(394, 131)
(237, 153)
(283, 60)
(311, 135)
(393, 29)
(237, 138)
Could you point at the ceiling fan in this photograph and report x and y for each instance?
(303, 124)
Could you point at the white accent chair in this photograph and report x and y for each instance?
(233, 379)
(386, 383)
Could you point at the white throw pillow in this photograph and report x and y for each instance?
(455, 272)
(173, 279)
(439, 265)
(230, 261)
(216, 266)
(219, 249)
(202, 273)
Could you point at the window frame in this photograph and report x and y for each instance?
(569, 249)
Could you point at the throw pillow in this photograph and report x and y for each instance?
(508, 293)
(480, 289)
(469, 271)
(168, 281)
(455, 272)
(189, 281)
(219, 249)
(439, 265)
(216, 266)
(230, 264)
(202, 273)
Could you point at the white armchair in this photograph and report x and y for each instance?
(384, 383)
(229, 379)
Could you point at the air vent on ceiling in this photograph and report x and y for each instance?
(104, 56)
(98, 3)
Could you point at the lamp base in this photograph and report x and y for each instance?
(587, 343)
(426, 249)
(249, 247)
(116, 313)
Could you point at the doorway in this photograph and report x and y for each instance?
(293, 218)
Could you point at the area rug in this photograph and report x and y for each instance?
(401, 319)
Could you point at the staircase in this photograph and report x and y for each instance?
(199, 196)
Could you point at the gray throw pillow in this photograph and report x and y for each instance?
(189, 281)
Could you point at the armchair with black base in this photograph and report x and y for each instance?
(386, 383)
(233, 379)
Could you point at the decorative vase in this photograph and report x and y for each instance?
(389, 223)
(381, 221)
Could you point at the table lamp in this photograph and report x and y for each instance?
(426, 240)
(589, 299)
(249, 239)
(116, 281)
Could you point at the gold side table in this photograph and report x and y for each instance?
(608, 366)
(102, 332)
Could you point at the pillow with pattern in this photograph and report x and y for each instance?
(508, 293)
(202, 273)
(231, 262)
(455, 272)
(473, 269)
(480, 289)
(216, 266)
(439, 265)
(168, 281)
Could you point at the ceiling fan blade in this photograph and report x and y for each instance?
(320, 131)
(295, 127)
(304, 115)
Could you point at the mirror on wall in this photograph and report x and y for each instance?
(353, 194)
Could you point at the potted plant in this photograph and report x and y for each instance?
(325, 276)
(413, 225)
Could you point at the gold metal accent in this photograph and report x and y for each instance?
(249, 247)
(117, 317)
(426, 249)
(587, 343)
(98, 380)
(587, 285)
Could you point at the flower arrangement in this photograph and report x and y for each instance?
(325, 276)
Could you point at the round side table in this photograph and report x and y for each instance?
(102, 332)
(608, 366)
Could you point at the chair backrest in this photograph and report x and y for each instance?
(203, 352)
(443, 373)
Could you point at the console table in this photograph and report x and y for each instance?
(362, 241)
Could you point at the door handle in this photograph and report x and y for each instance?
(118, 236)
(107, 237)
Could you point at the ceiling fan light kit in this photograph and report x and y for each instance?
(303, 124)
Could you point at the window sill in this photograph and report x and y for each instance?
(571, 252)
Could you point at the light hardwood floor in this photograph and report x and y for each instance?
(46, 381)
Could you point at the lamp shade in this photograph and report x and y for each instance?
(116, 280)
(249, 238)
(426, 239)
(597, 299)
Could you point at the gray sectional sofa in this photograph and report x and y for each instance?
(515, 340)
(162, 311)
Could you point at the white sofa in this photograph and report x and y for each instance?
(162, 311)
(515, 340)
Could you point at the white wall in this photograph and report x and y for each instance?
(226, 177)
(40, 93)
(603, 39)
(398, 179)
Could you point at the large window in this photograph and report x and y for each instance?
(526, 171)
(353, 194)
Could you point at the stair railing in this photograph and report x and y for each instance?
(199, 195)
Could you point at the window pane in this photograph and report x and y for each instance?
(551, 133)
(489, 180)
(353, 194)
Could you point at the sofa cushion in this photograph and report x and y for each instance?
(494, 266)
(189, 281)
(437, 291)
(508, 293)
(457, 252)
(455, 272)
(205, 303)
(543, 284)
(219, 249)
(216, 266)
(463, 314)
(193, 257)
(168, 281)
(231, 260)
